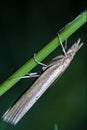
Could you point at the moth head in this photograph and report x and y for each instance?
(75, 47)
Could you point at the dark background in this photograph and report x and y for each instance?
(26, 27)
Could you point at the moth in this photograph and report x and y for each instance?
(50, 73)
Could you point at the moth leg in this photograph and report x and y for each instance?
(31, 75)
(40, 63)
(58, 57)
(62, 45)
(65, 44)
(28, 75)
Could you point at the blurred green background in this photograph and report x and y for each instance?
(26, 27)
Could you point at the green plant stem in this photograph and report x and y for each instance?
(68, 30)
